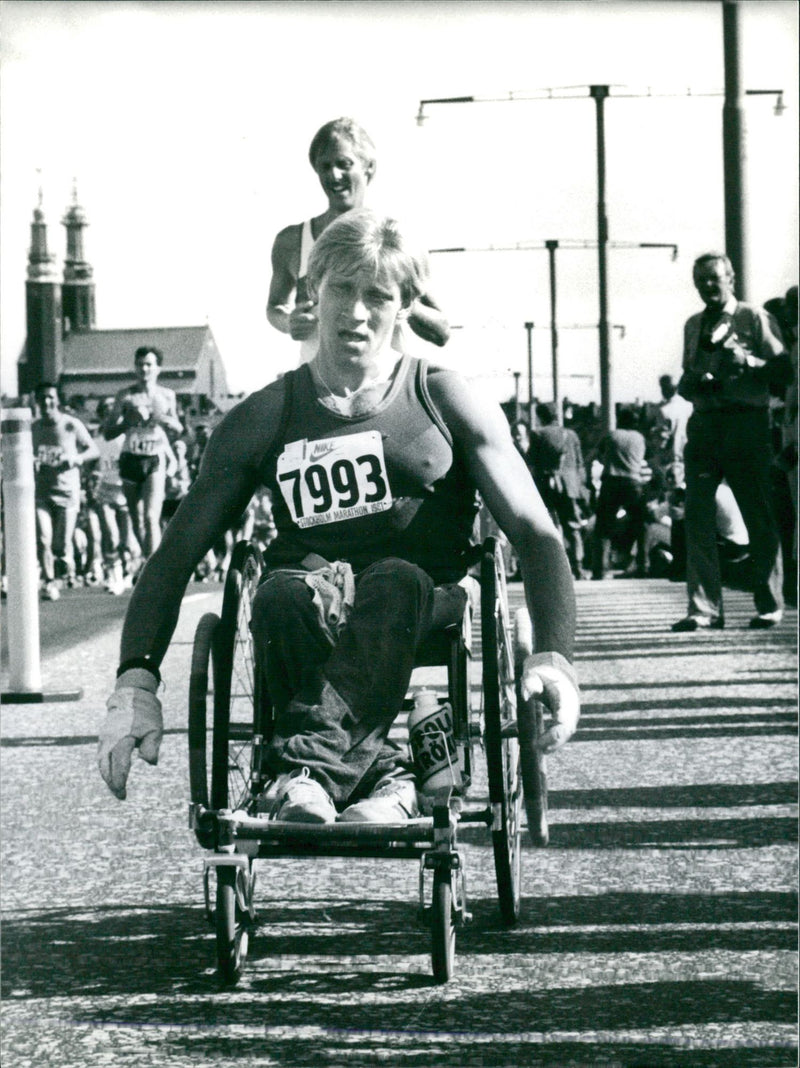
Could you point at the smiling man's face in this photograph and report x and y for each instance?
(713, 280)
(343, 175)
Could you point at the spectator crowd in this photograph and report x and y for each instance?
(619, 497)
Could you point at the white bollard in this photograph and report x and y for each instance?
(24, 659)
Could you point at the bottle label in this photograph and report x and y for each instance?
(433, 749)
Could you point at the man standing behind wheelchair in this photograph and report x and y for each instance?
(374, 460)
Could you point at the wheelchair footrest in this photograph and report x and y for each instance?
(245, 826)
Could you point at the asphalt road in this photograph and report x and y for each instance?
(658, 928)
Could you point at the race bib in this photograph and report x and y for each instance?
(49, 455)
(333, 479)
(142, 445)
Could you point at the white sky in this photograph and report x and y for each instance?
(187, 127)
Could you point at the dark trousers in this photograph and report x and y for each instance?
(334, 706)
(734, 445)
(618, 492)
(566, 514)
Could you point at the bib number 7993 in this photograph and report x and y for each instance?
(333, 479)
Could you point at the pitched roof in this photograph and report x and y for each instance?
(111, 351)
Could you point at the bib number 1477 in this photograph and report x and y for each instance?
(333, 479)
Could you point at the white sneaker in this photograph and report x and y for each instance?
(51, 591)
(765, 620)
(94, 577)
(297, 798)
(392, 801)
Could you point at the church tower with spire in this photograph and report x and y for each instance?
(44, 354)
(78, 287)
(63, 345)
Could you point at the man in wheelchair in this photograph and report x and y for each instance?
(374, 460)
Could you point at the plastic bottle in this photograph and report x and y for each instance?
(433, 744)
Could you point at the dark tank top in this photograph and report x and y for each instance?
(363, 488)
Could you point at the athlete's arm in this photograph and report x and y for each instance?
(226, 481)
(115, 422)
(502, 477)
(427, 321)
(165, 410)
(283, 284)
(85, 445)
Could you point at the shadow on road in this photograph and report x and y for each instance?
(695, 795)
(169, 951)
(676, 834)
(438, 1049)
(462, 1031)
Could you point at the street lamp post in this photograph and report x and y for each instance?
(529, 328)
(551, 247)
(599, 94)
(733, 139)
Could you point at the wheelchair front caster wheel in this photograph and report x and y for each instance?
(232, 923)
(443, 928)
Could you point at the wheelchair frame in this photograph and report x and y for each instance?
(223, 796)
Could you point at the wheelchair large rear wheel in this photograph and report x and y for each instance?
(502, 749)
(199, 737)
(235, 683)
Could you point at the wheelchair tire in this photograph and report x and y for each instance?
(530, 725)
(235, 683)
(198, 718)
(502, 748)
(232, 924)
(443, 928)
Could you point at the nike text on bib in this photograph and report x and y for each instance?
(332, 479)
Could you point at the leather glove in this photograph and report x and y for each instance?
(133, 721)
(551, 677)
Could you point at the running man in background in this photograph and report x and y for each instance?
(343, 157)
(61, 444)
(145, 463)
(147, 414)
(121, 551)
(162, 402)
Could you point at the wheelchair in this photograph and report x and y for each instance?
(230, 720)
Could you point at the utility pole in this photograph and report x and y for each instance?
(733, 135)
(599, 93)
(529, 328)
(733, 151)
(551, 247)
